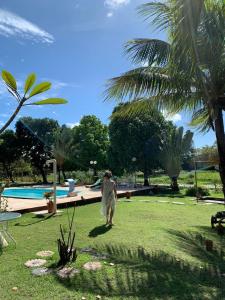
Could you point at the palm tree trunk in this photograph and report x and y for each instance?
(44, 177)
(220, 139)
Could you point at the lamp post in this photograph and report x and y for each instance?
(93, 163)
(134, 159)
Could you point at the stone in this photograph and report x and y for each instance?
(67, 272)
(88, 250)
(98, 297)
(45, 253)
(41, 271)
(92, 266)
(15, 289)
(112, 264)
(179, 203)
(83, 298)
(35, 263)
(99, 256)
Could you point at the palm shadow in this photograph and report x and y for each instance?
(138, 274)
(99, 230)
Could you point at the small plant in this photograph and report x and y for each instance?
(66, 249)
(48, 197)
(200, 191)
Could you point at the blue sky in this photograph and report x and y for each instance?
(75, 44)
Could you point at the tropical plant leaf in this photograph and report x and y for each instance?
(40, 88)
(29, 82)
(9, 80)
(148, 50)
(50, 101)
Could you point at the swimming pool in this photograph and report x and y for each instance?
(31, 193)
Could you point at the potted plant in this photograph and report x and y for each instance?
(50, 205)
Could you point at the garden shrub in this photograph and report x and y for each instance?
(192, 191)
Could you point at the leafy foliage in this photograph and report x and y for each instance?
(140, 136)
(200, 191)
(9, 152)
(91, 143)
(175, 148)
(10, 82)
(36, 137)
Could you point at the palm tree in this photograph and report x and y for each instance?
(176, 146)
(188, 72)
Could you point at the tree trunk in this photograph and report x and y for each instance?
(220, 139)
(44, 177)
(59, 173)
(64, 175)
(174, 184)
(146, 182)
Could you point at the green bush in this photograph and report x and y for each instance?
(200, 191)
(84, 177)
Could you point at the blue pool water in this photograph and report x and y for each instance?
(31, 193)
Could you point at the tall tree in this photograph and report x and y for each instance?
(177, 145)
(140, 136)
(36, 137)
(63, 148)
(9, 152)
(186, 73)
(91, 143)
(24, 99)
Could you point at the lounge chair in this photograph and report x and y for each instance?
(97, 184)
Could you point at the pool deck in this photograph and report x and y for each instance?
(85, 196)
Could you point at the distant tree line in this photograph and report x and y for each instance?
(128, 143)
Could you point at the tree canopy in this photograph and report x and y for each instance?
(91, 143)
(140, 136)
(36, 137)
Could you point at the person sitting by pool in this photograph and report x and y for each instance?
(109, 196)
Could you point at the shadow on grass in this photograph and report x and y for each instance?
(141, 275)
(38, 219)
(102, 229)
(195, 245)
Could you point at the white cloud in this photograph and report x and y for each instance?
(114, 4)
(174, 118)
(71, 125)
(13, 25)
(109, 14)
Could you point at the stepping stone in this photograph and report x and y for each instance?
(41, 271)
(147, 201)
(179, 203)
(46, 253)
(33, 263)
(92, 266)
(65, 272)
(163, 201)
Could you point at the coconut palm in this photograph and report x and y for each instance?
(176, 146)
(187, 73)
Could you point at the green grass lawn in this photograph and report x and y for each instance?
(157, 248)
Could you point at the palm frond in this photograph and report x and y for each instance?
(152, 51)
(135, 108)
(138, 83)
(158, 12)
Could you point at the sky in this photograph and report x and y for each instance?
(77, 45)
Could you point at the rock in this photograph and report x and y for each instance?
(41, 271)
(35, 263)
(112, 264)
(46, 253)
(15, 289)
(92, 266)
(88, 250)
(98, 297)
(179, 203)
(83, 298)
(67, 272)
